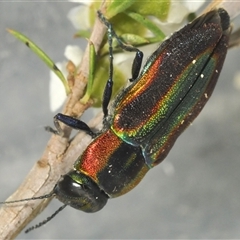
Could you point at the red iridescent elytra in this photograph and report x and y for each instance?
(148, 116)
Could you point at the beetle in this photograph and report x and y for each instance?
(147, 117)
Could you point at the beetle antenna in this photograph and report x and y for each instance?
(46, 220)
(51, 194)
(33, 198)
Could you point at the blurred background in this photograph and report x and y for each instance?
(194, 193)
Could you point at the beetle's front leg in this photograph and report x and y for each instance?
(71, 122)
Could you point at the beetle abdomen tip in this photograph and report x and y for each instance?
(225, 19)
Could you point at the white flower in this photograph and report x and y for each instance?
(79, 16)
(57, 93)
(180, 9)
(74, 53)
(177, 15)
(86, 2)
(193, 5)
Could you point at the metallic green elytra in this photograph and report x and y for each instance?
(174, 86)
(148, 116)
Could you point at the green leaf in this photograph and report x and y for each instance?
(82, 34)
(134, 40)
(122, 23)
(42, 55)
(117, 6)
(147, 23)
(159, 8)
(92, 66)
(97, 85)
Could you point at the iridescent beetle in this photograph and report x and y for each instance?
(147, 117)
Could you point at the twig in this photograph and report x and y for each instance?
(57, 159)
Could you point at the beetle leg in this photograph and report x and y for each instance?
(137, 62)
(107, 96)
(71, 122)
(109, 85)
(136, 66)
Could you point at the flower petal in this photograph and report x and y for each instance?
(193, 5)
(74, 54)
(57, 93)
(79, 16)
(85, 2)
